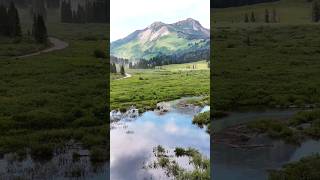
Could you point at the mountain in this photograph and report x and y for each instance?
(163, 39)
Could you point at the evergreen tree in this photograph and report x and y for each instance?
(246, 18)
(66, 11)
(122, 70)
(315, 11)
(266, 16)
(14, 27)
(40, 30)
(39, 8)
(3, 20)
(253, 18)
(113, 68)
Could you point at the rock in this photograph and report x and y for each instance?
(117, 115)
(163, 107)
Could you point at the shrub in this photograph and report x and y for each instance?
(98, 53)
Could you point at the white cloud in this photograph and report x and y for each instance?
(130, 15)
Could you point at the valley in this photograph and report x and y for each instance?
(160, 83)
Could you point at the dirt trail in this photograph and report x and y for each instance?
(127, 76)
(57, 44)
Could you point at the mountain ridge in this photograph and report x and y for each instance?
(162, 39)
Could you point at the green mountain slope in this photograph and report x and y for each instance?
(162, 39)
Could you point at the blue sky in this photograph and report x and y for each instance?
(130, 15)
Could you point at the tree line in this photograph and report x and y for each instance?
(10, 25)
(235, 3)
(91, 12)
(269, 17)
(315, 14)
(161, 60)
(9, 21)
(113, 69)
(27, 3)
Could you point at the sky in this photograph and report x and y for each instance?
(130, 15)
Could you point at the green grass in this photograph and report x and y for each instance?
(306, 168)
(202, 119)
(279, 67)
(52, 98)
(115, 76)
(289, 12)
(269, 65)
(148, 87)
(303, 125)
(19, 46)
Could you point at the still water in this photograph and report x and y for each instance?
(253, 164)
(133, 139)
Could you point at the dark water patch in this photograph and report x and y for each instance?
(243, 163)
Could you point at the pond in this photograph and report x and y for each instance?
(133, 140)
(246, 164)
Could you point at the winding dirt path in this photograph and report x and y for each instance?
(57, 44)
(127, 76)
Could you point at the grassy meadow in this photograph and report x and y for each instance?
(149, 86)
(288, 12)
(50, 99)
(265, 64)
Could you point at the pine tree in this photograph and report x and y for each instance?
(113, 68)
(246, 18)
(14, 27)
(66, 11)
(3, 20)
(252, 19)
(40, 30)
(266, 16)
(122, 70)
(315, 11)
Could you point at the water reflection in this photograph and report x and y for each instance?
(61, 167)
(243, 164)
(132, 142)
